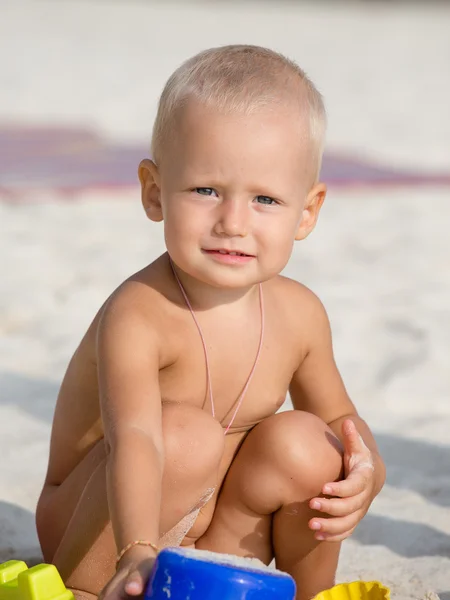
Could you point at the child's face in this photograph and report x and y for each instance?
(228, 184)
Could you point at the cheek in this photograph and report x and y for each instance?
(183, 221)
(279, 231)
(276, 240)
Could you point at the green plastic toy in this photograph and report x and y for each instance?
(42, 582)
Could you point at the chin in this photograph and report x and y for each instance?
(232, 280)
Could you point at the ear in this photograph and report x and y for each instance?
(311, 210)
(150, 189)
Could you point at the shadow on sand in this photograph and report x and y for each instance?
(406, 459)
(18, 539)
(411, 540)
(36, 397)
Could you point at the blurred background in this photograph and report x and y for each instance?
(79, 84)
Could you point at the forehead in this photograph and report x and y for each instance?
(272, 140)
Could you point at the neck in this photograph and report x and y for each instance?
(204, 296)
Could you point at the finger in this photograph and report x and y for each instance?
(338, 507)
(333, 526)
(336, 538)
(355, 483)
(134, 584)
(112, 591)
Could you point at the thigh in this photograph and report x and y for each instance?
(57, 503)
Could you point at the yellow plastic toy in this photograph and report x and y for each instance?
(42, 582)
(357, 590)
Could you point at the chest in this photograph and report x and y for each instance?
(231, 348)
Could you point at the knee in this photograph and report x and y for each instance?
(303, 450)
(193, 442)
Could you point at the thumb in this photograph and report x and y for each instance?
(134, 584)
(353, 442)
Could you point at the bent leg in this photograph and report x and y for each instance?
(57, 503)
(82, 545)
(263, 511)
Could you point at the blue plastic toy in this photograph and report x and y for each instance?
(182, 574)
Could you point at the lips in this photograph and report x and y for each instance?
(227, 252)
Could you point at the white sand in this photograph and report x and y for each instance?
(229, 560)
(379, 259)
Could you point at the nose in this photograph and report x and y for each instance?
(232, 219)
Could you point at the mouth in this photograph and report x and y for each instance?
(227, 252)
(229, 257)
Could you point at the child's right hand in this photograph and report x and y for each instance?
(132, 575)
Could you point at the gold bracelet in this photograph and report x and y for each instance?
(135, 543)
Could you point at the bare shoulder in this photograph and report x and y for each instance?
(140, 308)
(299, 313)
(301, 305)
(137, 298)
(144, 291)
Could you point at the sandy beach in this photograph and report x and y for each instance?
(379, 258)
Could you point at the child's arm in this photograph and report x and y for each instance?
(317, 387)
(128, 372)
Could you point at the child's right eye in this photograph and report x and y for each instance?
(205, 191)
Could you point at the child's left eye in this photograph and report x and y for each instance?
(267, 200)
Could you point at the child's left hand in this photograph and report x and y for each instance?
(352, 496)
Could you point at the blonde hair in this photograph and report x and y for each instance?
(241, 79)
